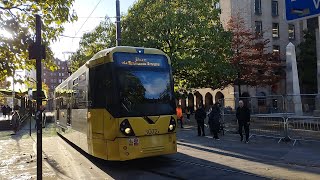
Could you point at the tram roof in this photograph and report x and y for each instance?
(105, 56)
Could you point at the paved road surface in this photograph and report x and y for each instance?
(197, 158)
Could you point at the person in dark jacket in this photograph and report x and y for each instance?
(200, 115)
(4, 111)
(243, 116)
(214, 120)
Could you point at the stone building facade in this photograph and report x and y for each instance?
(54, 78)
(267, 16)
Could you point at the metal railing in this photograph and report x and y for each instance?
(303, 128)
(268, 126)
(290, 117)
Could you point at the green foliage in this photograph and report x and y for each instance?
(102, 37)
(17, 17)
(307, 62)
(189, 32)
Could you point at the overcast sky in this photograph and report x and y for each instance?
(83, 9)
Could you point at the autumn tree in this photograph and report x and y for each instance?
(255, 64)
(190, 33)
(17, 30)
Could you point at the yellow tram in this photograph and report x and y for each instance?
(119, 105)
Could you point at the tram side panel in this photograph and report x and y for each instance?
(102, 126)
(79, 114)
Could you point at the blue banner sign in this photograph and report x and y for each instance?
(140, 60)
(302, 9)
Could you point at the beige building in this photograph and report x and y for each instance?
(267, 16)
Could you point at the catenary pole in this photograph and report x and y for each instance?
(39, 98)
(118, 33)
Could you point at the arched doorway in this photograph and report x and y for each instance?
(219, 97)
(208, 101)
(199, 99)
(191, 102)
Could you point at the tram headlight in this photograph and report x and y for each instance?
(172, 125)
(126, 128)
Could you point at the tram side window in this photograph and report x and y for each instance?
(63, 100)
(97, 93)
(101, 87)
(58, 99)
(75, 102)
(80, 92)
(109, 87)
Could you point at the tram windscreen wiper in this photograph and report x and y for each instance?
(125, 107)
(129, 109)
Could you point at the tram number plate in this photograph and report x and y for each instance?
(133, 141)
(152, 131)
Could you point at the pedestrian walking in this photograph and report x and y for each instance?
(4, 111)
(214, 120)
(243, 116)
(9, 110)
(188, 112)
(179, 115)
(200, 115)
(15, 121)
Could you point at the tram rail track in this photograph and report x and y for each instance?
(194, 164)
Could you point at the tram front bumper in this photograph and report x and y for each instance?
(145, 146)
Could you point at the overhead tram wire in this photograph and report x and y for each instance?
(75, 37)
(88, 18)
(66, 36)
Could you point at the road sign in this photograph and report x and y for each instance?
(302, 9)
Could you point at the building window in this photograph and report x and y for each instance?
(58, 62)
(257, 7)
(51, 80)
(276, 51)
(62, 67)
(292, 34)
(44, 80)
(275, 30)
(258, 25)
(275, 11)
(62, 74)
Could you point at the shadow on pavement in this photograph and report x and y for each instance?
(262, 150)
(176, 166)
